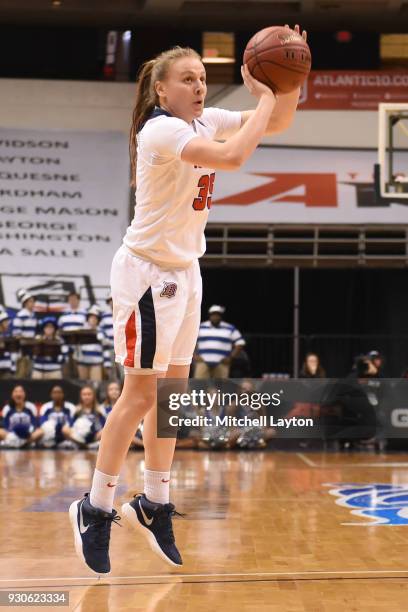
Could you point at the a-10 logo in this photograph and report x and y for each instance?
(312, 189)
(382, 504)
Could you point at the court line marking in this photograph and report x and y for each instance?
(360, 465)
(315, 573)
(306, 460)
(313, 464)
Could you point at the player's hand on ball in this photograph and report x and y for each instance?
(256, 88)
(297, 29)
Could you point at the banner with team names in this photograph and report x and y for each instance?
(64, 202)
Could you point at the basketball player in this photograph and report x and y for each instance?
(156, 282)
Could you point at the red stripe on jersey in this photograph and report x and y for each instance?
(130, 333)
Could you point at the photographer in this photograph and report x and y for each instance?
(351, 407)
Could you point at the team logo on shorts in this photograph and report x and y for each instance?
(169, 290)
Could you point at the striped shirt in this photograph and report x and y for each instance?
(48, 363)
(93, 354)
(24, 324)
(106, 326)
(7, 360)
(62, 416)
(71, 320)
(215, 343)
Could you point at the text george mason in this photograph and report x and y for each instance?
(262, 421)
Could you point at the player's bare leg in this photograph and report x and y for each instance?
(159, 452)
(136, 400)
(92, 516)
(151, 512)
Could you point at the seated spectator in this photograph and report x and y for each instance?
(88, 420)
(91, 358)
(25, 326)
(49, 367)
(56, 418)
(7, 359)
(218, 342)
(311, 367)
(20, 422)
(113, 392)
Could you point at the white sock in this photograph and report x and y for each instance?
(103, 490)
(157, 486)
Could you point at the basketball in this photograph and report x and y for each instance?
(278, 57)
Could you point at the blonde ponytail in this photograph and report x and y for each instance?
(146, 97)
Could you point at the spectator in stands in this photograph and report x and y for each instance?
(218, 342)
(56, 419)
(312, 367)
(49, 366)
(20, 422)
(112, 394)
(7, 358)
(25, 321)
(91, 358)
(73, 317)
(88, 420)
(25, 326)
(106, 327)
(378, 362)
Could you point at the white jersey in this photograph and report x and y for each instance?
(173, 197)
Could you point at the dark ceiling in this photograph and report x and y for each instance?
(380, 15)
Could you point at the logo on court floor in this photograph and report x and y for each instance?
(169, 290)
(382, 504)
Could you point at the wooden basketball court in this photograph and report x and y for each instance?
(262, 532)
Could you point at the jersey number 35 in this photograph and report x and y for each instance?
(206, 185)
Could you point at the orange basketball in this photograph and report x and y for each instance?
(278, 57)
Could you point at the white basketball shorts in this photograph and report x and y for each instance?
(156, 313)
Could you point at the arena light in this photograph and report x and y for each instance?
(127, 36)
(218, 47)
(218, 60)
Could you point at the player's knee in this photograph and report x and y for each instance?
(136, 403)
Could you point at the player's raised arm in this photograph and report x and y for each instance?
(231, 154)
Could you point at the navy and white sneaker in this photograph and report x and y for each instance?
(92, 528)
(153, 520)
